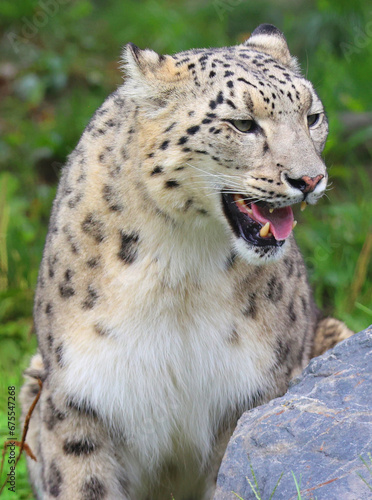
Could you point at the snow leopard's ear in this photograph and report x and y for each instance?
(151, 76)
(146, 64)
(268, 39)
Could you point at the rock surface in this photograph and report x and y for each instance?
(318, 429)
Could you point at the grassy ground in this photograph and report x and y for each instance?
(58, 65)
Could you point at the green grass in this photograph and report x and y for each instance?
(368, 465)
(298, 485)
(256, 491)
(54, 81)
(255, 488)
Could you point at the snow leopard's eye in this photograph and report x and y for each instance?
(312, 120)
(244, 125)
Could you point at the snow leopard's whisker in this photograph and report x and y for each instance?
(227, 183)
(254, 199)
(254, 196)
(234, 189)
(200, 169)
(250, 199)
(221, 192)
(219, 189)
(220, 176)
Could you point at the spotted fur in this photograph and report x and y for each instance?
(157, 324)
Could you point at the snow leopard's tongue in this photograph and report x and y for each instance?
(281, 219)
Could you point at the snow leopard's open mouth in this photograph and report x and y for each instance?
(258, 223)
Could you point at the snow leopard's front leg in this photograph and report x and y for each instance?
(77, 458)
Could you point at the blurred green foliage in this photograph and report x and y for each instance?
(61, 58)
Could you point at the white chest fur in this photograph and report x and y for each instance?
(166, 372)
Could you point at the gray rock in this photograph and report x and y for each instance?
(318, 429)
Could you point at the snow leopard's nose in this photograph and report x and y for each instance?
(305, 183)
